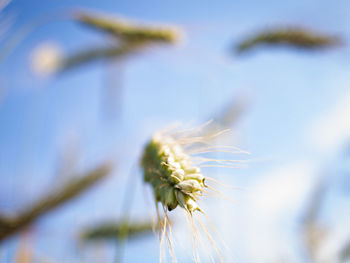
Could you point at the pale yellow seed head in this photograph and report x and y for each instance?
(46, 59)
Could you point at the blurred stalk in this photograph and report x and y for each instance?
(72, 189)
(3, 4)
(313, 232)
(345, 252)
(25, 251)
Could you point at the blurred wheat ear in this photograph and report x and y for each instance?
(129, 38)
(127, 30)
(94, 54)
(118, 230)
(295, 37)
(228, 116)
(10, 225)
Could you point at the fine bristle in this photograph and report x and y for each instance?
(172, 167)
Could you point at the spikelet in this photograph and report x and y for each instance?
(177, 180)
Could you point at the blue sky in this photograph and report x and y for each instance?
(290, 94)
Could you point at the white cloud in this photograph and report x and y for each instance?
(331, 130)
(275, 202)
(282, 189)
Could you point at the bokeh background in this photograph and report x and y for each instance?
(291, 111)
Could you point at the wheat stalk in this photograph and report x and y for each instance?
(74, 188)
